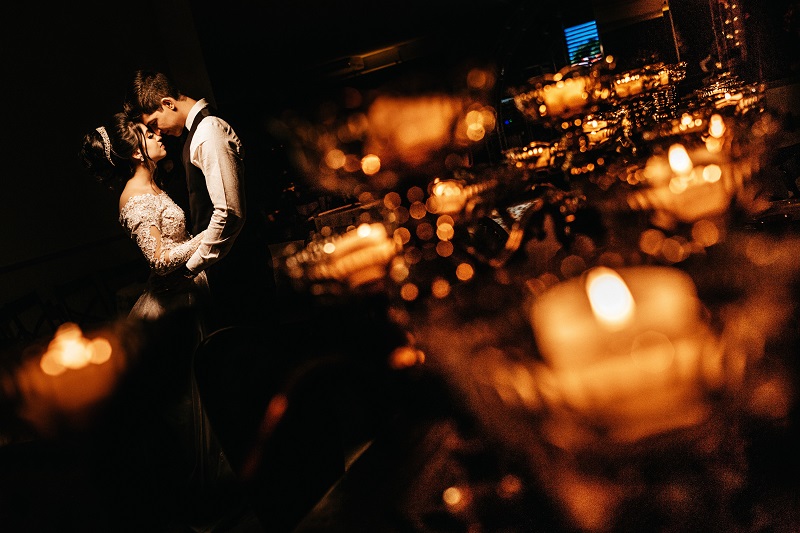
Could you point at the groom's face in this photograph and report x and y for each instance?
(165, 120)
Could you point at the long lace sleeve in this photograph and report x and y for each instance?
(176, 256)
(158, 227)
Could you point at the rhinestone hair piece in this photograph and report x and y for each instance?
(106, 143)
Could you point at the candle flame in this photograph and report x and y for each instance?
(364, 230)
(679, 159)
(447, 188)
(609, 296)
(66, 350)
(716, 126)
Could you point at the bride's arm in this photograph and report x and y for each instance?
(177, 256)
(142, 223)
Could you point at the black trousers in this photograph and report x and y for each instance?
(242, 287)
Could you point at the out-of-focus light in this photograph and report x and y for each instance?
(480, 79)
(409, 292)
(679, 160)
(405, 357)
(392, 200)
(444, 248)
(335, 159)
(69, 349)
(609, 297)
(453, 497)
(447, 197)
(476, 132)
(716, 126)
(370, 164)
(445, 232)
(712, 173)
(440, 288)
(464, 271)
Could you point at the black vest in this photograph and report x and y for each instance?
(242, 283)
(200, 206)
(250, 245)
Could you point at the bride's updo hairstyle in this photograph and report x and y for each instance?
(108, 151)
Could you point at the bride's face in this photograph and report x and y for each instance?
(153, 145)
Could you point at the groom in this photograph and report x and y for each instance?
(234, 253)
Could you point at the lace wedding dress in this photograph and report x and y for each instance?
(158, 225)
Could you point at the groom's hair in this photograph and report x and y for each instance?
(145, 92)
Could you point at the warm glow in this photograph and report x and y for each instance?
(652, 351)
(447, 197)
(452, 496)
(417, 210)
(404, 357)
(364, 230)
(440, 288)
(403, 235)
(464, 271)
(444, 248)
(678, 184)
(70, 350)
(101, 350)
(716, 126)
(609, 296)
(712, 173)
(425, 231)
(410, 130)
(679, 159)
(445, 232)
(447, 188)
(705, 233)
(335, 159)
(399, 271)
(392, 200)
(480, 79)
(370, 164)
(476, 132)
(409, 292)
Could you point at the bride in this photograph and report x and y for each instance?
(124, 156)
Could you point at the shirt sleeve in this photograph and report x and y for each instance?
(143, 224)
(217, 151)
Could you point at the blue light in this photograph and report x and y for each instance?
(583, 43)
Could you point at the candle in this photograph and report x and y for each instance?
(356, 257)
(628, 85)
(447, 197)
(73, 376)
(626, 348)
(596, 131)
(687, 192)
(565, 96)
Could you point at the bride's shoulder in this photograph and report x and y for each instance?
(132, 193)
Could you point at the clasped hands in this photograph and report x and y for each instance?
(180, 279)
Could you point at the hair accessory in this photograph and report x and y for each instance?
(106, 143)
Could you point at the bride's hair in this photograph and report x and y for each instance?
(108, 152)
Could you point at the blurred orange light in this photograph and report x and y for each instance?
(609, 296)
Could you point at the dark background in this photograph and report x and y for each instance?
(65, 69)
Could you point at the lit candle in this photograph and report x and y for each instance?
(626, 347)
(73, 376)
(356, 257)
(565, 96)
(447, 197)
(629, 85)
(596, 131)
(687, 192)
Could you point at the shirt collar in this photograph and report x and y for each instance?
(200, 104)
